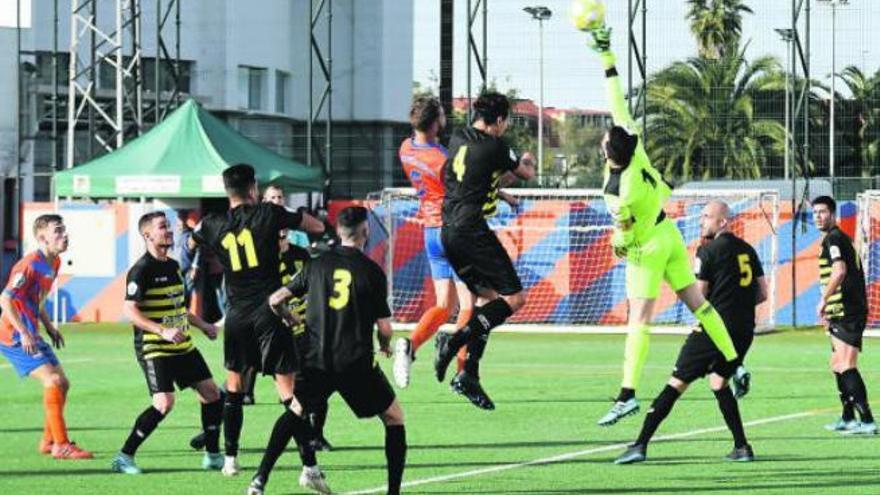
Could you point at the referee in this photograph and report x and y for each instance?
(843, 308)
(729, 274)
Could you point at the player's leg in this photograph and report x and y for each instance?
(847, 419)
(695, 359)
(729, 407)
(846, 342)
(395, 445)
(45, 367)
(644, 274)
(144, 425)
(466, 302)
(240, 352)
(212, 416)
(248, 383)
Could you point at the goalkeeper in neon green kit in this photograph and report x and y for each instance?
(635, 194)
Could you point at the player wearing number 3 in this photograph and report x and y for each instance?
(635, 194)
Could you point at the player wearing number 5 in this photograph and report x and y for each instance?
(245, 240)
(635, 194)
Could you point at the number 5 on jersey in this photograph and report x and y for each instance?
(745, 269)
(341, 289)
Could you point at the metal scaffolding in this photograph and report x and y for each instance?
(323, 56)
(91, 48)
(476, 53)
(637, 12)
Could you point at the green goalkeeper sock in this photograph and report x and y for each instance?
(715, 329)
(635, 353)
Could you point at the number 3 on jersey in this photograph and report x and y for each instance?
(341, 289)
(745, 269)
(458, 165)
(246, 240)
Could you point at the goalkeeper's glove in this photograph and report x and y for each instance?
(620, 241)
(600, 42)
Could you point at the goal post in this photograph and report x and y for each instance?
(559, 242)
(868, 244)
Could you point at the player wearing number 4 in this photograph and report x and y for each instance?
(635, 194)
(155, 302)
(245, 240)
(731, 276)
(478, 160)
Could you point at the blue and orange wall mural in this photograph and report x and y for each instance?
(560, 248)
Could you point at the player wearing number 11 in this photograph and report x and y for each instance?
(245, 240)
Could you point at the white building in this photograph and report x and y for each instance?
(247, 61)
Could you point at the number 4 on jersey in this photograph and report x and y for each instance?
(458, 165)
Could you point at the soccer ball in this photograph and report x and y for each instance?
(588, 14)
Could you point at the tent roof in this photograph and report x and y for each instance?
(183, 157)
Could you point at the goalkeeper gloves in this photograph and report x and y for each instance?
(600, 42)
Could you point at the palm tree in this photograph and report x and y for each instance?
(702, 120)
(866, 102)
(717, 25)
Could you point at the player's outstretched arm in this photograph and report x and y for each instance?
(600, 42)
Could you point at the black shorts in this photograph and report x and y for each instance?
(363, 386)
(255, 337)
(480, 260)
(849, 329)
(699, 357)
(183, 370)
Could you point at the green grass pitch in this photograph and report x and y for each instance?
(549, 389)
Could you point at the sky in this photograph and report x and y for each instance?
(572, 75)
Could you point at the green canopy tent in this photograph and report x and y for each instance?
(182, 157)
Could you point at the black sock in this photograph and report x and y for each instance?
(730, 410)
(143, 426)
(318, 416)
(249, 381)
(659, 410)
(476, 333)
(233, 416)
(287, 402)
(626, 394)
(287, 426)
(475, 348)
(395, 456)
(857, 393)
(212, 416)
(848, 413)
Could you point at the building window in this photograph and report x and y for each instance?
(107, 74)
(282, 90)
(252, 87)
(44, 67)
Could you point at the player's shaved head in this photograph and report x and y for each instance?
(714, 219)
(351, 224)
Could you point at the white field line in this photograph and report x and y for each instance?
(580, 453)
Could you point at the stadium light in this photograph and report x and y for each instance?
(788, 36)
(834, 4)
(540, 14)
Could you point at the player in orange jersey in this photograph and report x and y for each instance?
(423, 158)
(30, 281)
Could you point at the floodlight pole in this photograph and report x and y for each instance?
(472, 51)
(832, 123)
(540, 14)
(637, 10)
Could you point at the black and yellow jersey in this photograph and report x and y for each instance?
(476, 163)
(156, 286)
(850, 299)
(347, 294)
(292, 262)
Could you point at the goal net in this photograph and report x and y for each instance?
(559, 242)
(868, 243)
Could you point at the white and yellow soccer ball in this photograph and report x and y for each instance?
(588, 14)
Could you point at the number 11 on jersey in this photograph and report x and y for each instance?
(246, 240)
